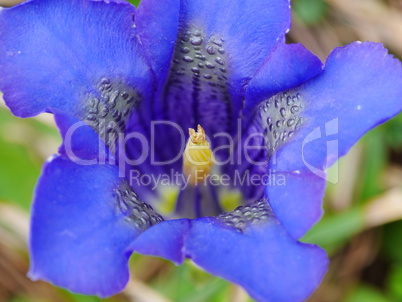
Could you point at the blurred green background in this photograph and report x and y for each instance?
(361, 229)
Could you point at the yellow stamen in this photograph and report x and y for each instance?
(198, 157)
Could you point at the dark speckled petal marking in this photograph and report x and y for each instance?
(198, 83)
(137, 212)
(256, 213)
(109, 108)
(280, 117)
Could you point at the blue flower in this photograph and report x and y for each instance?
(105, 69)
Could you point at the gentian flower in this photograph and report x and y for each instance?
(115, 77)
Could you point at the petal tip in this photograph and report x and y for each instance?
(32, 275)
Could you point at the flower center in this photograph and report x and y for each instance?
(198, 85)
(197, 157)
(196, 93)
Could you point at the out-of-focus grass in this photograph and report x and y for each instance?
(358, 228)
(135, 2)
(25, 144)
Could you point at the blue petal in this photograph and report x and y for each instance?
(164, 240)
(250, 29)
(53, 53)
(80, 235)
(248, 39)
(81, 143)
(360, 88)
(264, 260)
(288, 66)
(247, 246)
(158, 25)
(297, 203)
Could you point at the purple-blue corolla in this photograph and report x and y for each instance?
(121, 80)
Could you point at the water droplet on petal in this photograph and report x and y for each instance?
(188, 59)
(299, 123)
(105, 81)
(294, 109)
(291, 122)
(185, 50)
(219, 61)
(196, 40)
(210, 50)
(283, 112)
(209, 65)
